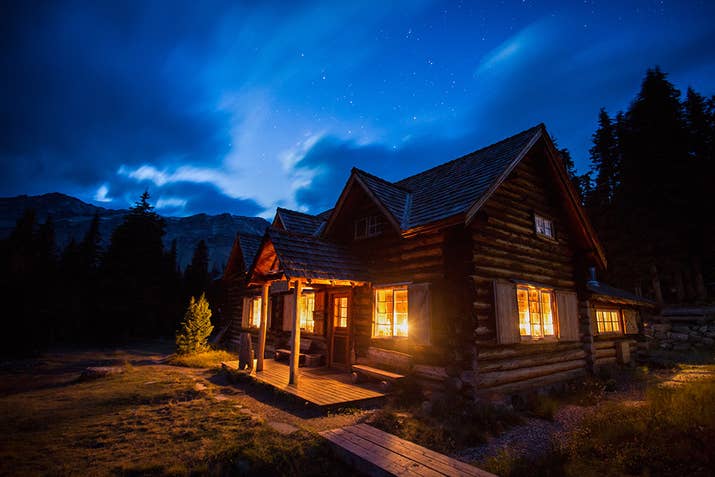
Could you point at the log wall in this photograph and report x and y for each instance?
(506, 246)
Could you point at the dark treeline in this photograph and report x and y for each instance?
(650, 192)
(132, 290)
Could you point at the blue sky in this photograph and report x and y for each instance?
(241, 107)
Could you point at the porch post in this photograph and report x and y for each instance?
(295, 336)
(264, 326)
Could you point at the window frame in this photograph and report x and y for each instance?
(374, 226)
(544, 220)
(619, 321)
(554, 336)
(393, 320)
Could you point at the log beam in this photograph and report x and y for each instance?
(295, 335)
(262, 331)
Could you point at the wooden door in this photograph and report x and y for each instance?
(339, 330)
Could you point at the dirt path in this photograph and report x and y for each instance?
(63, 366)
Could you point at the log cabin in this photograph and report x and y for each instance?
(478, 274)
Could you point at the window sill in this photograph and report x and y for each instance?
(530, 340)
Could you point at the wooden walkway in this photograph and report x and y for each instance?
(379, 453)
(320, 386)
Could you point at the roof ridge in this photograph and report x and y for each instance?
(278, 209)
(538, 126)
(384, 181)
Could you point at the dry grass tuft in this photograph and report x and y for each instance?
(208, 359)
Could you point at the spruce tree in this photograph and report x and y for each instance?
(197, 272)
(196, 327)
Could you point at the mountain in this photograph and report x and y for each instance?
(73, 216)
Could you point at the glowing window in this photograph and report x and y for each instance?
(340, 311)
(536, 311)
(307, 306)
(543, 226)
(256, 311)
(390, 312)
(609, 321)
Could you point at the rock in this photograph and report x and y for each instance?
(677, 336)
(96, 372)
(283, 427)
(708, 341)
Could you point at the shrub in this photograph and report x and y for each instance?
(194, 333)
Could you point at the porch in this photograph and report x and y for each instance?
(319, 386)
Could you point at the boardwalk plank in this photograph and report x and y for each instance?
(395, 455)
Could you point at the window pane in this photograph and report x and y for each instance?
(522, 298)
(256, 312)
(547, 313)
(307, 306)
(400, 313)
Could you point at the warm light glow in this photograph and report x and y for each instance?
(307, 306)
(608, 321)
(340, 312)
(256, 311)
(536, 311)
(391, 315)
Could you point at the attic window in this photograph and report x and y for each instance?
(544, 226)
(370, 226)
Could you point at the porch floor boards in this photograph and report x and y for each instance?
(320, 386)
(378, 453)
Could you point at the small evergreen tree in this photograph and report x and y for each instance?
(194, 333)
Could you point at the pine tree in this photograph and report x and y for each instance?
(133, 272)
(605, 162)
(196, 327)
(197, 272)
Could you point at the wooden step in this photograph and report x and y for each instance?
(376, 373)
(378, 453)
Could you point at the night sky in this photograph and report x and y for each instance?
(222, 107)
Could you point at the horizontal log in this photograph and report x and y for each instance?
(539, 382)
(435, 373)
(605, 361)
(528, 361)
(533, 277)
(500, 352)
(517, 267)
(504, 377)
(521, 252)
(511, 226)
(604, 353)
(604, 344)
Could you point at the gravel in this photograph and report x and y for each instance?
(531, 439)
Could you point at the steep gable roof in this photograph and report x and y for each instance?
(460, 187)
(244, 250)
(307, 257)
(298, 222)
(452, 188)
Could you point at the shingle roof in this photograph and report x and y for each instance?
(249, 247)
(299, 222)
(303, 256)
(612, 294)
(394, 198)
(453, 187)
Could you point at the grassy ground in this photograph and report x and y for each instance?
(670, 431)
(209, 359)
(148, 419)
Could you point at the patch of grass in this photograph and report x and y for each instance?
(449, 424)
(208, 359)
(148, 420)
(672, 433)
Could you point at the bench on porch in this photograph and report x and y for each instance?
(305, 357)
(378, 359)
